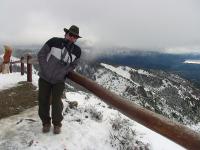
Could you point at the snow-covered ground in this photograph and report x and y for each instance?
(80, 131)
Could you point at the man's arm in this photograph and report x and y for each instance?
(43, 53)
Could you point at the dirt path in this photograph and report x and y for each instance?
(17, 99)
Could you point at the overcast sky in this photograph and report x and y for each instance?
(138, 24)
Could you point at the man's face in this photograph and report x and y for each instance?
(71, 37)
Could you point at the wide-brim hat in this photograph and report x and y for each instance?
(74, 30)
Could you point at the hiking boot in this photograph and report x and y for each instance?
(46, 128)
(57, 130)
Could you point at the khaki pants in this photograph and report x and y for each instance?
(5, 68)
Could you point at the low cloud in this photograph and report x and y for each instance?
(137, 25)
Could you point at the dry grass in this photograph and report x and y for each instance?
(17, 99)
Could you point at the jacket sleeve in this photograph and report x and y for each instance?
(42, 57)
(43, 53)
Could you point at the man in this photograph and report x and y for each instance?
(56, 59)
(6, 59)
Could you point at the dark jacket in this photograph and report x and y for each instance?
(56, 58)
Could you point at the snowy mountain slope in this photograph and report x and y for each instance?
(92, 125)
(164, 93)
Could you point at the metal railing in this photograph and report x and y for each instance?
(174, 131)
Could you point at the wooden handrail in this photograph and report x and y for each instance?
(31, 61)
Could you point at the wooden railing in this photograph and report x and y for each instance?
(29, 61)
(175, 131)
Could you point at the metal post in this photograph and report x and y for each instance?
(175, 131)
(29, 69)
(22, 66)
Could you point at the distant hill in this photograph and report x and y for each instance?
(172, 63)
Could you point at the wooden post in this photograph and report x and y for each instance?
(10, 66)
(29, 69)
(22, 66)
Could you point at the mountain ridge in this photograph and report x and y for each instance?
(159, 91)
